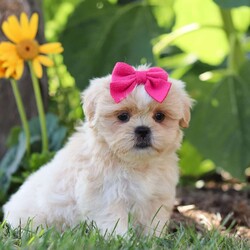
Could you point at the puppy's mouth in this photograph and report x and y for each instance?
(143, 145)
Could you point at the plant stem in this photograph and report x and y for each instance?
(236, 55)
(40, 108)
(22, 113)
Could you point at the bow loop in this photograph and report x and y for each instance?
(125, 78)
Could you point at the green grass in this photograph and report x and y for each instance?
(88, 237)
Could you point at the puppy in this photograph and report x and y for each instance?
(120, 164)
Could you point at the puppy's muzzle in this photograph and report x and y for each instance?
(142, 137)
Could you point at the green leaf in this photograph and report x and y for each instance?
(199, 30)
(56, 132)
(10, 163)
(56, 14)
(97, 36)
(209, 43)
(163, 12)
(220, 124)
(14, 156)
(192, 163)
(232, 3)
(36, 160)
(13, 136)
(241, 18)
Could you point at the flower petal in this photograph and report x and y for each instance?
(10, 62)
(37, 67)
(12, 29)
(51, 48)
(8, 55)
(33, 26)
(24, 22)
(15, 27)
(44, 60)
(9, 71)
(5, 64)
(19, 69)
(6, 48)
(7, 44)
(2, 70)
(2, 73)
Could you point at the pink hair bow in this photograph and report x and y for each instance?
(125, 78)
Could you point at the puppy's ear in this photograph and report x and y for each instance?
(88, 104)
(91, 96)
(89, 101)
(187, 105)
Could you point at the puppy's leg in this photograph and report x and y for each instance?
(159, 221)
(47, 198)
(113, 221)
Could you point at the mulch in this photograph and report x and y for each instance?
(224, 205)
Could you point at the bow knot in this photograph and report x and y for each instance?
(125, 78)
(141, 76)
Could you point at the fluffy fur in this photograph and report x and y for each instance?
(100, 176)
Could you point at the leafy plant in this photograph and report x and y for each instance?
(15, 158)
(64, 95)
(22, 47)
(202, 42)
(108, 33)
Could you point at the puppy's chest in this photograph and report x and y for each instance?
(127, 188)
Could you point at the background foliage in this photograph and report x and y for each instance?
(203, 42)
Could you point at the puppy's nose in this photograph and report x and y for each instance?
(142, 131)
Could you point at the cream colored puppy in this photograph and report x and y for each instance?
(121, 163)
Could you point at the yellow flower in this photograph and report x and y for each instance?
(24, 47)
(7, 72)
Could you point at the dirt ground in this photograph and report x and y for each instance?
(224, 205)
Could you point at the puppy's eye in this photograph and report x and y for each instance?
(124, 117)
(159, 117)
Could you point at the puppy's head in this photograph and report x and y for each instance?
(138, 126)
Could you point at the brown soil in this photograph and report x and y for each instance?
(224, 206)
